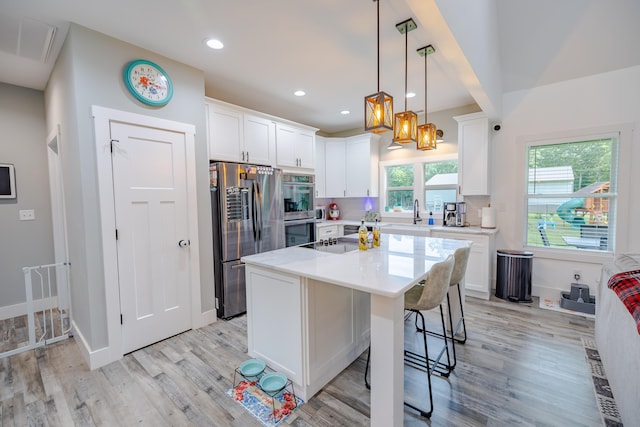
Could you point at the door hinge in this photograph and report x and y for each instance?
(116, 234)
(111, 144)
(121, 321)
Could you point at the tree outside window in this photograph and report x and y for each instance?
(400, 187)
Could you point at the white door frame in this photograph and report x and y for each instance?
(58, 216)
(102, 117)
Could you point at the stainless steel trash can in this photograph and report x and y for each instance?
(513, 276)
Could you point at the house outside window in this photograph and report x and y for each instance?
(441, 183)
(432, 182)
(571, 194)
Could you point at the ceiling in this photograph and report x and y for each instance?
(328, 48)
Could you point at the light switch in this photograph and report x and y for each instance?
(27, 215)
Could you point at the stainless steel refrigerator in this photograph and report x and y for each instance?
(248, 213)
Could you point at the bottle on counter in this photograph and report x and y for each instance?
(376, 234)
(431, 222)
(362, 237)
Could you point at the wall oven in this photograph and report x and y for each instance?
(299, 231)
(299, 209)
(298, 191)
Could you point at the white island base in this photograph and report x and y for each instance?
(306, 329)
(310, 313)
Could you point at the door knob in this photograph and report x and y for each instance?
(184, 243)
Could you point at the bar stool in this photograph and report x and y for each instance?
(425, 296)
(461, 256)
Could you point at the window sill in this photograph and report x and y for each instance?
(574, 255)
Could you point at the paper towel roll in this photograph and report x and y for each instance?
(488, 217)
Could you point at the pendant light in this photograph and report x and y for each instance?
(405, 124)
(426, 132)
(378, 108)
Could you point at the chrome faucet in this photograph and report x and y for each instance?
(416, 211)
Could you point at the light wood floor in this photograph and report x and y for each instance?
(521, 366)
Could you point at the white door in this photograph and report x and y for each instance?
(151, 212)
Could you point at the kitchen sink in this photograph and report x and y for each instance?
(335, 245)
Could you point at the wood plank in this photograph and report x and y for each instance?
(521, 365)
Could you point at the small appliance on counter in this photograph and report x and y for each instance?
(321, 213)
(455, 214)
(334, 212)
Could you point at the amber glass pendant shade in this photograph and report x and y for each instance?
(405, 127)
(426, 137)
(378, 112)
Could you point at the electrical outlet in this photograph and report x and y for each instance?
(27, 215)
(577, 274)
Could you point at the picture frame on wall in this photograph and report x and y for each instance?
(7, 181)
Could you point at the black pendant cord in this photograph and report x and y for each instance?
(406, 44)
(425, 87)
(378, 8)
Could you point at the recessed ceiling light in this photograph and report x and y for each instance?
(299, 93)
(214, 43)
(345, 112)
(410, 94)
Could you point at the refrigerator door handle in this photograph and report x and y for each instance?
(237, 266)
(256, 200)
(254, 213)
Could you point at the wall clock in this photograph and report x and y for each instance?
(148, 82)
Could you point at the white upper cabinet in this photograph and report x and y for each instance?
(295, 147)
(237, 136)
(362, 166)
(259, 140)
(474, 154)
(225, 132)
(351, 166)
(320, 167)
(335, 167)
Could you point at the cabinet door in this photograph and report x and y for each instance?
(320, 162)
(258, 140)
(285, 146)
(473, 147)
(225, 133)
(335, 163)
(361, 168)
(305, 149)
(274, 300)
(478, 275)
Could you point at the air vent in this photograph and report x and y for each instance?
(26, 37)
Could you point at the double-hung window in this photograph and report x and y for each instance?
(572, 193)
(431, 182)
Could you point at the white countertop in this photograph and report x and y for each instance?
(389, 270)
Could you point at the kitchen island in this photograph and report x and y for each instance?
(311, 313)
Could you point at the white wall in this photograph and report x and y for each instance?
(609, 100)
(23, 243)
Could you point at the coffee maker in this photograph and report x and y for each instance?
(455, 214)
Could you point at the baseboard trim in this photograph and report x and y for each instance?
(95, 358)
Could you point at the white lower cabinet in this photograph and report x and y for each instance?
(306, 329)
(480, 268)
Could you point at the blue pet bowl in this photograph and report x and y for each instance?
(252, 368)
(273, 382)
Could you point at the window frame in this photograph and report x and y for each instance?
(418, 182)
(622, 136)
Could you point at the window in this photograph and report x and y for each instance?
(399, 189)
(441, 182)
(431, 182)
(571, 194)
